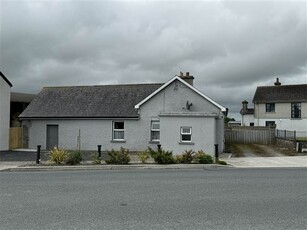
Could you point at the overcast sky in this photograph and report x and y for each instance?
(230, 47)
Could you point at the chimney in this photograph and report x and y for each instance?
(187, 78)
(244, 106)
(277, 83)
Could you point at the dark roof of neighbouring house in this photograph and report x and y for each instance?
(5, 79)
(105, 101)
(22, 97)
(248, 112)
(282, 93)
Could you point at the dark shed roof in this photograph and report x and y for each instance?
(106, 101)
(247, 112)
(5, 79)
(283, 93)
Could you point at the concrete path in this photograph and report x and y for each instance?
(267, 162)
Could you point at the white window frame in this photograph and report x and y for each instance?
(152, 129)
(185, 133)
(118, 130)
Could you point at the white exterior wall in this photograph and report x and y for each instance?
(93, 133)
(5, 94)
(282, 117)
(137, 132)
(203, 134)
(247, 119)
(206, 131)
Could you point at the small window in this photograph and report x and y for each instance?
(296, 110)
(270, 123)
(155, 131)
(186, 134)
(118, 130)
(252, 124)
(270, 107)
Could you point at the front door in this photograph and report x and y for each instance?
(52, 136)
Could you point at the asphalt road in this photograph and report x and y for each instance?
(155, 199)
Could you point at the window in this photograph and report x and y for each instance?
(296, 110)
(270, 107)
(186, 134)
(252, 124)
(155, 131)
(118, 130)
(270, 123)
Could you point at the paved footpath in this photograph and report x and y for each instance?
(267, 162)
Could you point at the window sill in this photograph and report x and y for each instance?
(186, 143)
(118, 141)
(154, 142)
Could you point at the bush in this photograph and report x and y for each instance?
(202, 158)
(222, 162)
(74, 158)
(161, 156)
(58, 155)
(118, 157)
(186, 157)
(144, 156)
(95, 159)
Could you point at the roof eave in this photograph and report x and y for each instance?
(5, 79)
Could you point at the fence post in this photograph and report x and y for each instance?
(294, 135)
(38, 154)
(285, 136)
(99, 150)
(216, 153)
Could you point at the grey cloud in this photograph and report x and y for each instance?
(230, 46)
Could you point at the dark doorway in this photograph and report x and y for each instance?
(52, 136)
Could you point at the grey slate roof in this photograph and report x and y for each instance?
(105, 101)
(283, 93)
(249, 111)
(22, 97)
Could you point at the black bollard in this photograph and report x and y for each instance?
(38, 154)
(99, 150)
(216, 153)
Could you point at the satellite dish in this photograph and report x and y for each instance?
(188, 105)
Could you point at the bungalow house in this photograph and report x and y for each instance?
(5, 92)
(174, 115)
(282, 106)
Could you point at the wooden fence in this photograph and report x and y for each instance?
(15, 140)
(250, 135)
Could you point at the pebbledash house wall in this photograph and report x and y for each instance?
(169, 106)
(5, 94)
(205, 119)
(282, 117)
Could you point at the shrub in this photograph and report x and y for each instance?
(118, 157)
(74, 158)
(95, 159)
(202, 158)
(58, 155)
(222, 162)
(186, 157)
(161, 156)
(144, 156)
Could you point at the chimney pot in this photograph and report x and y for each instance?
(187, 78)
(277, 82)
(244, 106)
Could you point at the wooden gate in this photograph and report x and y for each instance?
(15, 140)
